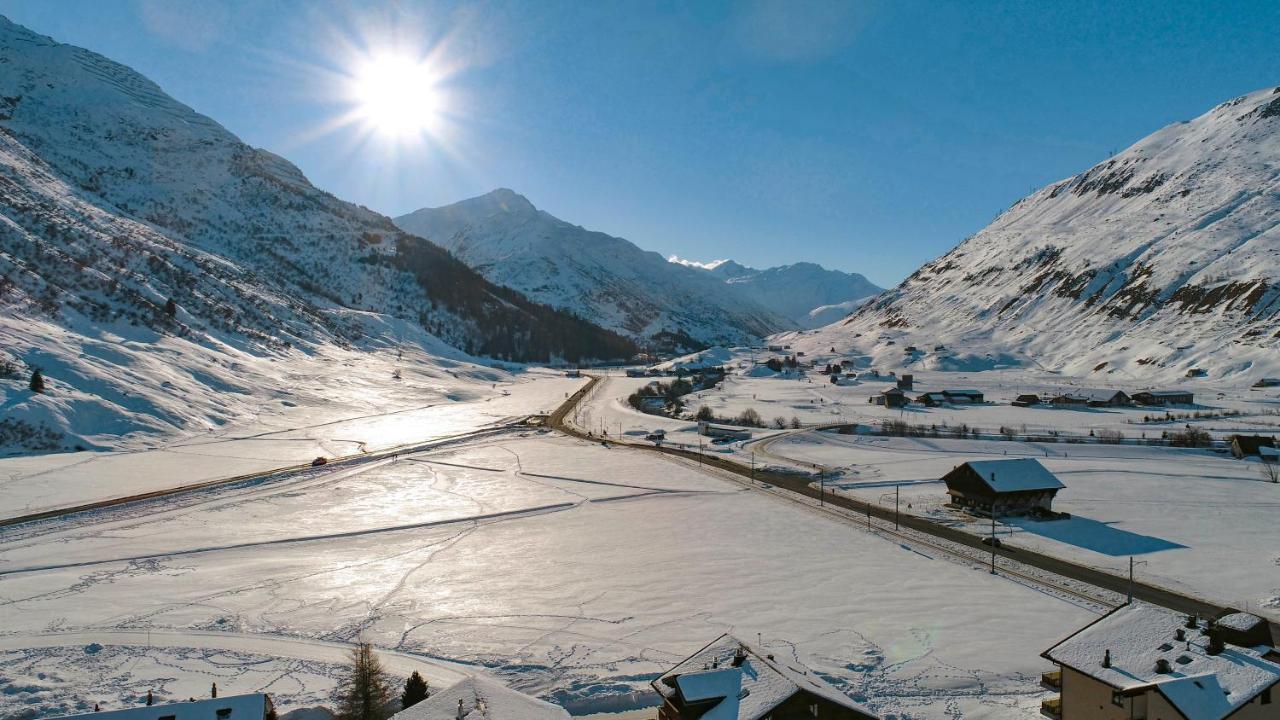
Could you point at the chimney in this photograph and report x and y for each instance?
(1106, 658)
(739, 656)
(1180, 634)
(1192, 621)
(1215, 644)
(1162, 666)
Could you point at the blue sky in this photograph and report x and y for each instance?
(866, 136)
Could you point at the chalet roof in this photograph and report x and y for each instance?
(1200, 685)
(763, 683)
(1165, 393)
(482, 699)
(1015, 475)
(892, 391)
(242, 706)
(962, 392)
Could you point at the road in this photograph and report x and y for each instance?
(800, 485)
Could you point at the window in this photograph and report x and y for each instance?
(1266, 696)
(167, 717)
(223, 713)
(1117, 699)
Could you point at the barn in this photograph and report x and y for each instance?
(1007, 487)
(1164, 397)
(1093, 398)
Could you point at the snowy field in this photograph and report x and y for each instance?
(570, 570)
(335, 405)
(1199, 520)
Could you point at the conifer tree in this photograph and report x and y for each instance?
(170, 307)
(415, 691)
(364, 694)
(37, 381)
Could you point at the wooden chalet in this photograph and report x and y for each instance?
(731, 680)
(1164, 397)
(956, 397)
(1026, 400)
(891, 398)
(1093, 398)
(1243, 446)
(1006, 487)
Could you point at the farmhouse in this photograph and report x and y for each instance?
(1093, 398)
(731, 680)
(1143, 661)
(479, 698)
(1026, 400)
(1164, 397)
(636, 372)
(723, 431)
(956, 397)
(233, 707)
(1007, 487)
(1250, 445)
(891, 398)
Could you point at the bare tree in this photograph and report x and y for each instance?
(365, 693)
(1270, 469)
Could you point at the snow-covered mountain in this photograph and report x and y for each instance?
(136, 232)
(807, 293)
(605, 278)
(1162, 259)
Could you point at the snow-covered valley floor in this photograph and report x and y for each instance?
(573, 571)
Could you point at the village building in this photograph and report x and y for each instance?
(1143, 662)
(1197, 372)
(891, 398)
(932, 399)
(959, 397)
(573, 373)
(906, 381)
(1164, 397)
(1267, 382)
(1005, 487)
(479, 698)
(1026, 400)
(233, 707)
(729, 432)
(1093, 398)
(731, 680)
(1243, 446)
(636, 372)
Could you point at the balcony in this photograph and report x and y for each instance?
(1052, 707)
(1051, 680)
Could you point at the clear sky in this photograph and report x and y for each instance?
(867, 136)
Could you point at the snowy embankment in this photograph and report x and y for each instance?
(623, 534)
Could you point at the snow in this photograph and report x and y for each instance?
(479, 698)
(562, 568)
(1016, 475)
(604, 278)
(1203, 686)
(1156, 261)
(753, 688)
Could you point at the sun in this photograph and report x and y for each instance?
(396, 95)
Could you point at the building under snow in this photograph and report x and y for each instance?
(234, 707)
(1009, 487)
(478, 698)
(1142, 662)
(1092, 397)
(731, 680)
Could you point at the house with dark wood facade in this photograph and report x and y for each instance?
(1006, 487)
(1164, 397)
(1243, 446)
(731, 680)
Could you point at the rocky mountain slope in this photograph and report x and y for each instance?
(605, 278)
(1159, 260)
(806, 293)
(129, 220)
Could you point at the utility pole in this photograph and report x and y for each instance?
(993, 528)
(753, 467)
(1131, 564)
(822, 488)
(897, 491)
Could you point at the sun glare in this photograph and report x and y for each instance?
(396, 96)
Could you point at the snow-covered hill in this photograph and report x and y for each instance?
(605, 278)
(1163, 259)
(806, 293)
(136, 233)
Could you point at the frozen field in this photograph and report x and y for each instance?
(570, 570)
(338, 407)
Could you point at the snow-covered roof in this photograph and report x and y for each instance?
(1200, 685)
(1016, 474)
(242, 707)
(1166, 393)
(482, 699)
(763, 682)
(962, 392)
(1091, 394)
